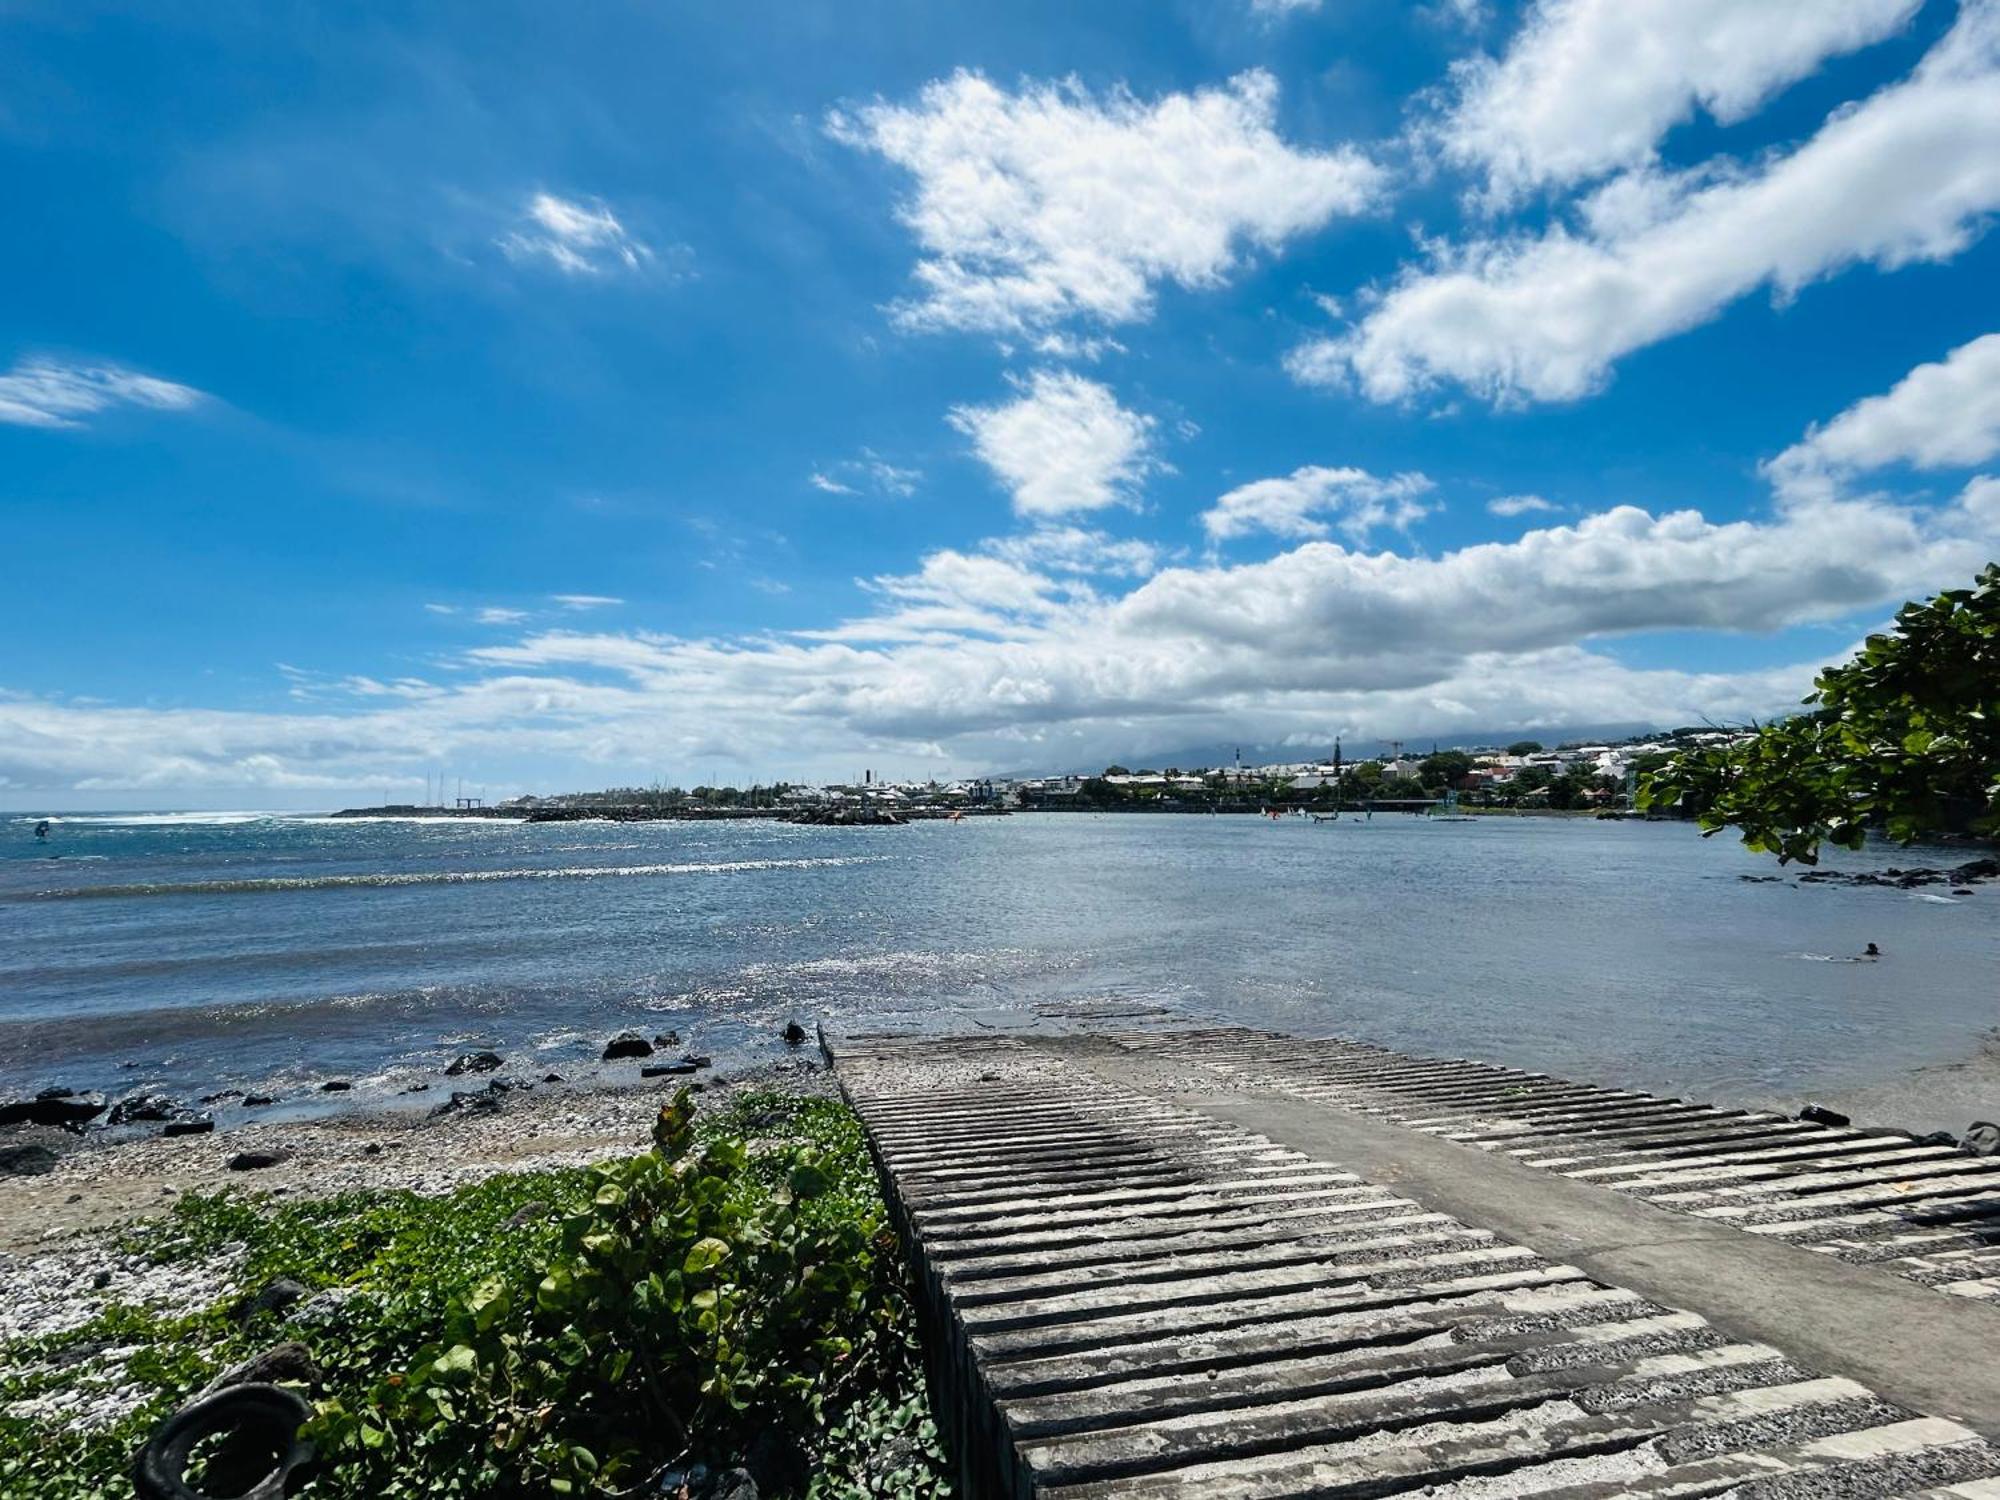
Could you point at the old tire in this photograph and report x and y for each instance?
(265, 1421)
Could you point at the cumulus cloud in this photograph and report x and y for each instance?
(48, 393)
(1909, 174)
(1051, 203)
(1519, 505)
(578, 236)
(1066, 645)
(996, 664)
(1939, 416)
(1588, 86)
(1062, 444)
(1298, 504)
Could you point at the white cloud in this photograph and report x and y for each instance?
(1587, 86)
(1050, 203)
(1279, 8)
(995, 664)
(869, 472)
(1909, 174)
(1519, 505)
(45, 393)
(493, 614)
(442, 609)
(1293, 506)
(579, 236)
(1075, 549)
(1939, 416)
(585, 601)
(1070, 346)
(1063, 444)
(1030, 651)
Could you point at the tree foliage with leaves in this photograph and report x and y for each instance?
(1905, 737)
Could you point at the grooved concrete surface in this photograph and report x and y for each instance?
(1928, 1213)
(1133, 1289)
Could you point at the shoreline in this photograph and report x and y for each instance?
(98, 1187)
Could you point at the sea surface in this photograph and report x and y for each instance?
(192, 952)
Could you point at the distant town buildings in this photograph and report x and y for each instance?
(1521, 774)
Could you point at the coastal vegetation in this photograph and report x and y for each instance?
(1904, 738)
(731, 1298)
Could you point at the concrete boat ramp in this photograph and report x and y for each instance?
(1159, 1263)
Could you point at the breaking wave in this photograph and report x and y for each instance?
(253, 884)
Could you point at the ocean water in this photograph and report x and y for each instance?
(196, 951)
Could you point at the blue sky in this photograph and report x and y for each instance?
(666, 390)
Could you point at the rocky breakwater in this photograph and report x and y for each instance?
(1961, 878)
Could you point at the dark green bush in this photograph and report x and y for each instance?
(687, 1308)
(554, 1332)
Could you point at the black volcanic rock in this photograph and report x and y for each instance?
(474, 1062)
(794, 1034)
(136, 1109)
(627, 1044)
(199, 1125)
(63, 1107)
(486, 1102)
(256, 1161)
(30, 1160)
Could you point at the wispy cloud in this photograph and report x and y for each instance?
(1312, 501)
(868, 473)
(578, 236)
(585, 601)
(1519, 505)
(493, 614)
(48, 393)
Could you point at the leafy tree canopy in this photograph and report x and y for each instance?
(1444, 768)
(1525, 747)
(1905, 736)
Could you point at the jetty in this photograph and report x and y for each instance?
(1159, 1261)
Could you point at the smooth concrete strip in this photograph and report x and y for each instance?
(1894, 1336)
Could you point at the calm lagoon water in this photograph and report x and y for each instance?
(193, 951)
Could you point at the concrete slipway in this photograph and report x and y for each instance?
(1166, 1262)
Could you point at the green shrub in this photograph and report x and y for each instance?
(549, 1332)
(688, 1307)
